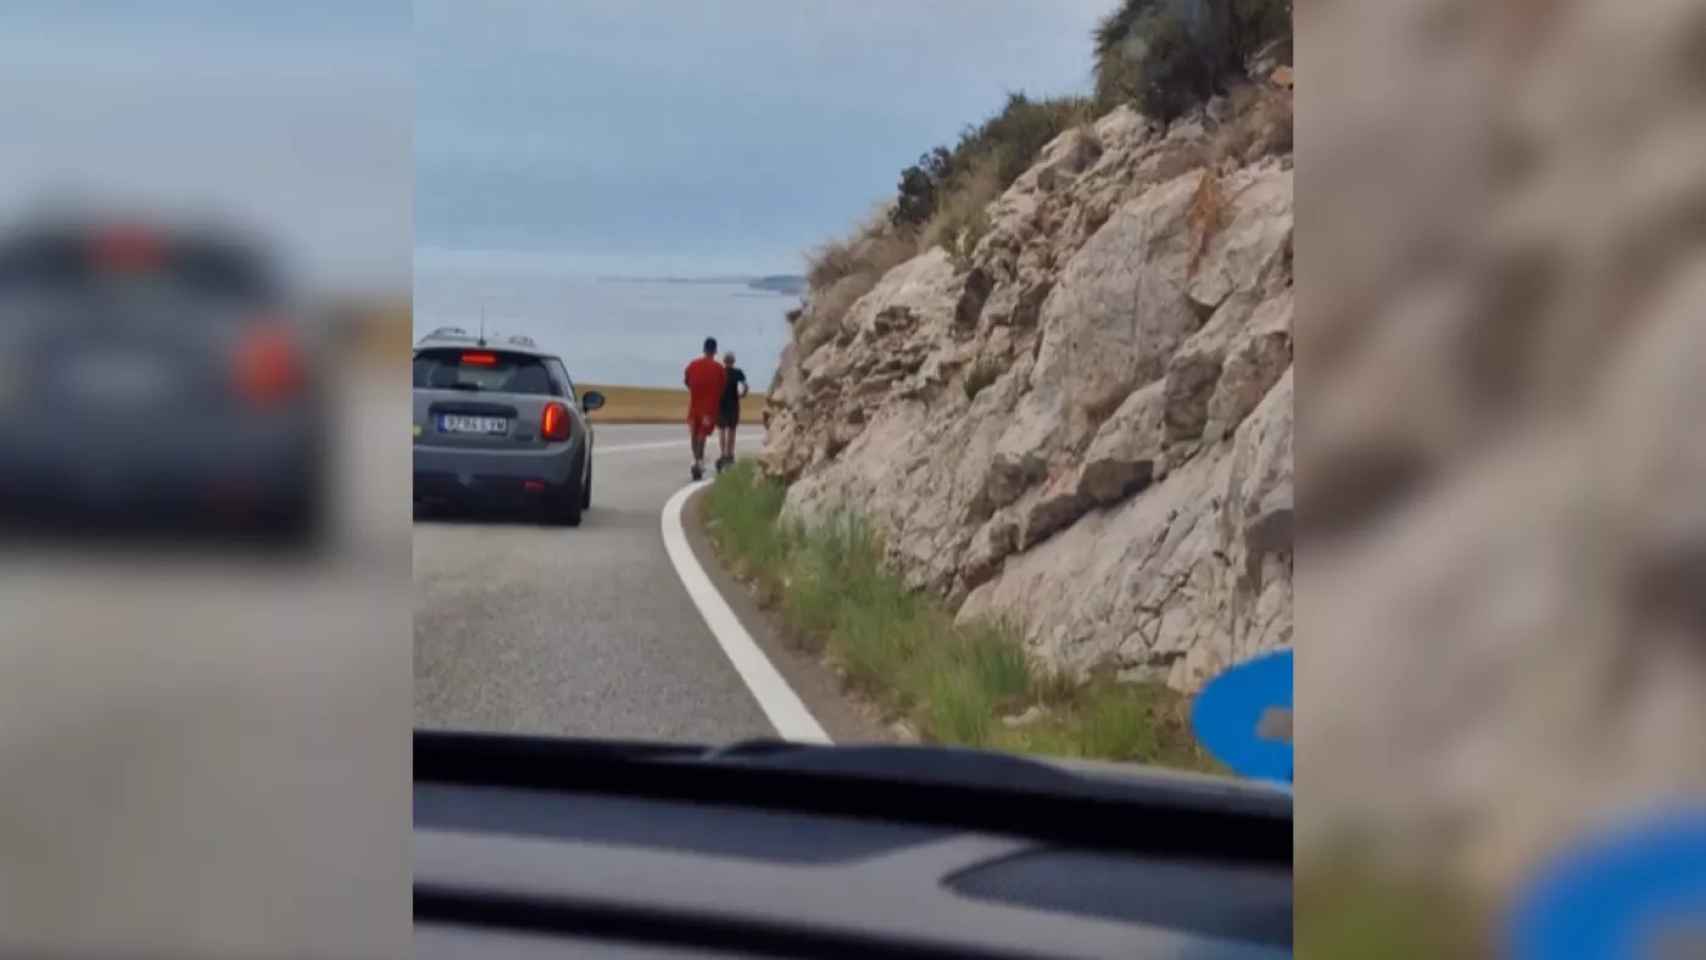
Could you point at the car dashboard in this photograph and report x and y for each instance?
(552, 850)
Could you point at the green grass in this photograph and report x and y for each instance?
(952, 682)
(1348, 908)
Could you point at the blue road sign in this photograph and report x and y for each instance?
(1638, 891)
(1243, 717)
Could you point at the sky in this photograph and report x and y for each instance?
(683, 137)
(293, 120)
(622, 136)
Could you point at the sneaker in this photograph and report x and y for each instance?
(698, 472)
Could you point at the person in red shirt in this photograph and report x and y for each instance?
(705, 380)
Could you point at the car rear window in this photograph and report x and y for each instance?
(483, 371)
(71, 263)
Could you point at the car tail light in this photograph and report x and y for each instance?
(554, 422)
(126, 247)
(480, 359)
(269, 366)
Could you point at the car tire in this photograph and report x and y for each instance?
(586, 487)
(568, 512)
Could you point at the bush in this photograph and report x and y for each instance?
(1167, 56)
(919, 185)
(963, 218)
(985, 161)
(841, 271)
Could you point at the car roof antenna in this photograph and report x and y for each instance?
(482, 323)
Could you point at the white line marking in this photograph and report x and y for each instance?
(663, 444)
(779, 702)
(641, 446)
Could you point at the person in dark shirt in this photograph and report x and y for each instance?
(728, 417)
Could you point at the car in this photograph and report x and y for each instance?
(500, 426)
(156, 377)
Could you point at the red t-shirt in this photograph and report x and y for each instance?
(705, 381)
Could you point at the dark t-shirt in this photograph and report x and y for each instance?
(731, 388)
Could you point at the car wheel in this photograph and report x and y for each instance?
(586, 487)
(569, 509)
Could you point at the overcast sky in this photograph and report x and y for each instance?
(626, 135)
(294, 118)
(704, 137)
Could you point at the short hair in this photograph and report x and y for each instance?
(710, 345)
(729, 357)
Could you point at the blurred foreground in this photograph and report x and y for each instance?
(205, 739)
(1501, 586)
(203, 727)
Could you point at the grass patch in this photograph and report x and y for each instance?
(962, 217)
(954, 683)
(842, 270)
(1347, 907)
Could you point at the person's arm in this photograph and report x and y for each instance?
(744, 389)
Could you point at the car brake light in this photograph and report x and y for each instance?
(126, 247)
(268, 366)
(554, 422)
(480, 359)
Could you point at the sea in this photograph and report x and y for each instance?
(610, 324)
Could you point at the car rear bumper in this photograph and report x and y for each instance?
(496, 477)
(216, 474)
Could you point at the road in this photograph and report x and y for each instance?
(587, 631)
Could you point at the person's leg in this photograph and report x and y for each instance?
(697, 439)
(733, 426)
(725, 440)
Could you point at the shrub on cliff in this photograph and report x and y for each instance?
(1003, 146)
(842, 270)
(1166, 56)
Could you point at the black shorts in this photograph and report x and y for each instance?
(728, 417)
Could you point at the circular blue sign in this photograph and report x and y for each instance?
(1638, 891)
(1243, 717)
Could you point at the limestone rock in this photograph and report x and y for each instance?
(1088, 424)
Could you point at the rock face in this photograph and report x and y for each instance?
(1503, 468)
(1086, 429)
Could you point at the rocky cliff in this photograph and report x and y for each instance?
(1085, 426)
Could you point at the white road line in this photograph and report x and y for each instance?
(640, 446)
(662, 444)
(779, 702)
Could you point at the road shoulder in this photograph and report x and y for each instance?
(842, 717)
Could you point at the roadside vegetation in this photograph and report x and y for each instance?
(1348, 908)
(1163, 57)
(968, 685)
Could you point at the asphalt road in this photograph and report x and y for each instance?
(586, 631)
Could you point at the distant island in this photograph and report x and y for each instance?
(782, 283)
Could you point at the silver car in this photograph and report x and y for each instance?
(157, 378)
(500, 425)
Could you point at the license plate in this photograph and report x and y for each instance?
(459, 423)
(116, 379)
